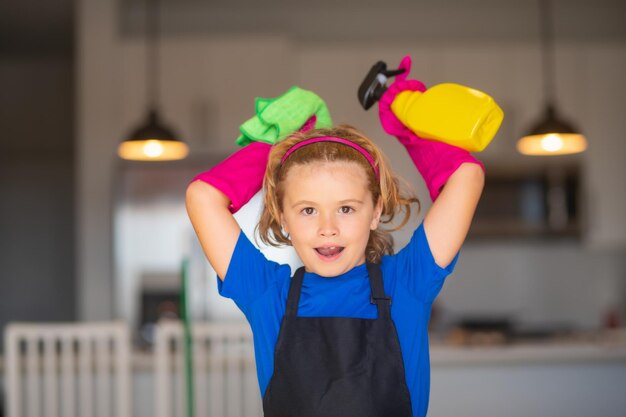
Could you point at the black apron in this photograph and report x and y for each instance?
(338, 366)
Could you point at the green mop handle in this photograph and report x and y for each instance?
(187, 341)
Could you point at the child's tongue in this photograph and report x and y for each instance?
(329, 251)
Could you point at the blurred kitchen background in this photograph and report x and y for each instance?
(535, 309)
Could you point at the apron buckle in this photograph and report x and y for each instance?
(374, 300)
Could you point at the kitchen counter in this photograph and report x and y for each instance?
(604, 346)
(580, 376)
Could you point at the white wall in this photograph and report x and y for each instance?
(209, 82)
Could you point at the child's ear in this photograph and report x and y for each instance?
(378, 209)
(283, 224)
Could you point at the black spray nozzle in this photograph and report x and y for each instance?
(375, 84)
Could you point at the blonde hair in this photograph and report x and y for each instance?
(387, 188)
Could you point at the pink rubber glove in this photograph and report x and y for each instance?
(240, 176)
(436, 161)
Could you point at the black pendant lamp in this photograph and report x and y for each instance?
(551, 135)
(152, 140)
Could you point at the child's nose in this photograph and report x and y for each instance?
(328, 226)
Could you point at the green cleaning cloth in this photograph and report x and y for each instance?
(277, 118)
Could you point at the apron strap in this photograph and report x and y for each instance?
(294, 293)
(377, 289)
(378, 297)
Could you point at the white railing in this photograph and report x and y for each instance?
(67, 370)
(225, 382)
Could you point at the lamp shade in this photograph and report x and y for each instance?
(552, 136)
(152, 141)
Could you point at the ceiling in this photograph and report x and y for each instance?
(35, 27)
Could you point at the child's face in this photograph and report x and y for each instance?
(328, 213)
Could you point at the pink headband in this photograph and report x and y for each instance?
(361, 150)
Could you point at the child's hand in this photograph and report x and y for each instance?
(240, 176)
(436, 161)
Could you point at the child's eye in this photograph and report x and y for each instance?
(346, 209)
(307, 211)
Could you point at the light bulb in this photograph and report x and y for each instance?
(552, 142)
(153, 149)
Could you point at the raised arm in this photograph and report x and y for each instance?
(213, 223)
(440, 164)
(447, 222)
(213, 196)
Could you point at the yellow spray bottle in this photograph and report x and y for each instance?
(451, 113)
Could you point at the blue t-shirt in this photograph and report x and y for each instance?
(411, 277)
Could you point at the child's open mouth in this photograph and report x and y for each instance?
(329, 253)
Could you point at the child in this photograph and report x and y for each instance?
(347, 334)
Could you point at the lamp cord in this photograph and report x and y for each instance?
(152, 54)
(547, 43)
